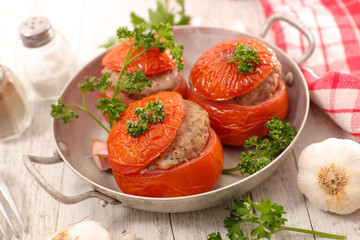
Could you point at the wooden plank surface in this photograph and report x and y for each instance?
(87, 24)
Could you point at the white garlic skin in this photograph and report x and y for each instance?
(84, 230)
(343, 154)
(130, 236)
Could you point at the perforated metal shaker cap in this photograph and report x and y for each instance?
(36, 32)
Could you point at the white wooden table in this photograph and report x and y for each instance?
(87, 24)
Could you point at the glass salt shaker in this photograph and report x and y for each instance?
(15, 113)
(44, 57)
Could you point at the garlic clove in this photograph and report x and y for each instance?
(84, 230)
(99, 154)
(130, 236)
(329, 175)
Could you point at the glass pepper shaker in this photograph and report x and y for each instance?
(15, 113)
(44, 57)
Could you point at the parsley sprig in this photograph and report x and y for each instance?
(143, 39)
(162, 14)
(159, 37)
(269, 222)
(65, 113)
(245, 58)
(263, 151)
(152, 113)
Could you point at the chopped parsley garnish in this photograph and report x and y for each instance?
(245, 58)
(153, 113)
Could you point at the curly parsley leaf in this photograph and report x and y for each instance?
(153, 113)
(214, 236)
(65, 113)
(93, 83)
(62, 111)
(143, 38)
(245, 58)
(261, 152)
(88, 85)
(281, 132)
(135, 82)
(136, 128)
(165, 40)
(112, 107)
(157, 36)
(269, 222)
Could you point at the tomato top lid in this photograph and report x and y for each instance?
(151, 62)
(128, 154)
(216, 79)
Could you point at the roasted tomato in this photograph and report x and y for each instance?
(156, 65)
(151, 62)
(130, 157)
(239, 105)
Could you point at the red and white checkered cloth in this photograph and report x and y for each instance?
(333, 71)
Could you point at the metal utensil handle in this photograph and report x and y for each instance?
(298, 25)
(29, 161)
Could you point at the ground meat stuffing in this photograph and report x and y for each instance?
(166, 81)
(263, 91)
(189, 140)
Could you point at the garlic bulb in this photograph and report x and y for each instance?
(84, 230)
(329, 175)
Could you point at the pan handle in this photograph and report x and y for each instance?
(298, 25)
(29, 161)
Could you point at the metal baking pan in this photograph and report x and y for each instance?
(73, 140)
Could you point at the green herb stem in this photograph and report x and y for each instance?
(128, 60)
(230, 170)
(317, 233)
(117, 90)
(84, 109)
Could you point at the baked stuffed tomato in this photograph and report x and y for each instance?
(239, 83)
(158, 66)
(179, 156)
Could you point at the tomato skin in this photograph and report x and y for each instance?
(216, 79)
(151, 62)
(128, 154)
(235, 123)
(187, 178)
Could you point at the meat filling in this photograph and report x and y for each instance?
(189, 140)
(166, 81)
(263, 91)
